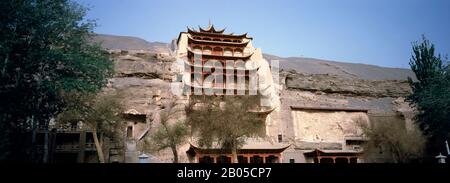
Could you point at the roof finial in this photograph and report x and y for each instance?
(209, 24)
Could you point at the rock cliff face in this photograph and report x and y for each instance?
(351, 87)
(378, 97)
(327, 129)
(112, 42)
(143, 65)
(142, 78)
(143, 75)
(341, 69)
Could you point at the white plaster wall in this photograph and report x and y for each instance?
(326, 126)
(182, 45)
(291, 153)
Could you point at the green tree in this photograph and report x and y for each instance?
(226, 121)
(171, 133)
(100, 113)
(390, 141)
(44, 50)
(431, 94)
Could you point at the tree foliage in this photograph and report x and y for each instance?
(97, 111)
(390, 141)
(226, 121)
(172, 132)
(44, 50)
(431, 94)
(100, 113)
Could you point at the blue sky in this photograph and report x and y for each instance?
(377, 32)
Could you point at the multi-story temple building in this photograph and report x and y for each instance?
(215, 64)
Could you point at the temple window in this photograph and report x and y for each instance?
(197, 50)
(242, 159)
(130, 131)
(223, 159)
(272, 159)
(256, 159)
(326, 160)
(238, 52)
(228, 52)
(207, 50)
(218, 51)
(342, 160)
(206, 159)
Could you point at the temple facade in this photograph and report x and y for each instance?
(255, 150)
(215, 64)
(207, 53)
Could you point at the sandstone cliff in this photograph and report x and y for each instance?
(351, 87)
(143, 74)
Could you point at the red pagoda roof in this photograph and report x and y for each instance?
(329, 109)
(211, 29)
(321, 152)
(199, 41)
(217, 34)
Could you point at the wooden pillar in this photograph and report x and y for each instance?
(82, 145)
(318, 159)
(215, 158)
(334, 159)
(52, 145)
(264, 158)
(33, 144)
(46, 146)
(231, 158)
